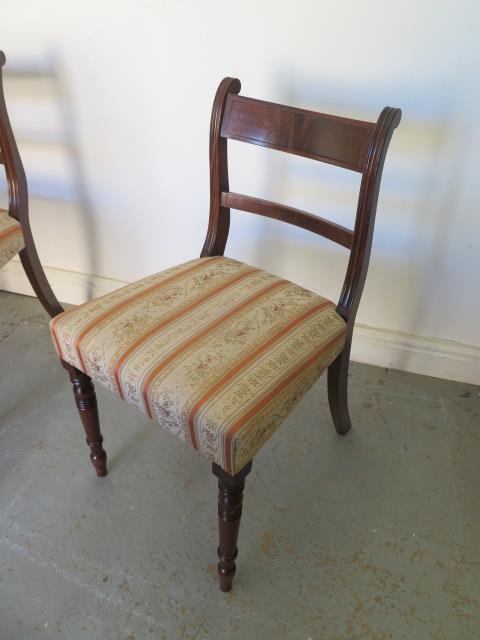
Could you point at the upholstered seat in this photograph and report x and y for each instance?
(216, 351)
(11, 237)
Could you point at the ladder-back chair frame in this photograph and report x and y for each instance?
(351, 144)
(18, 206)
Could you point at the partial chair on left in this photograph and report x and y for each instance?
(15, 233)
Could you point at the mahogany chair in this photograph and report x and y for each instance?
(215, 350)
(15, 233)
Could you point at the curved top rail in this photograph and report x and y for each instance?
(340, 141)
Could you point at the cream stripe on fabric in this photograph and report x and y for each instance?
(262, 425)
(161, 344)
(11, 237)
(275, 353)
(216, 390)
(202, 333)
(129, 295)
(153, 332)
(149, 299)
(266, 373)
(269, 396)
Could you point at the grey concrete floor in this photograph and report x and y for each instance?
(375, 535)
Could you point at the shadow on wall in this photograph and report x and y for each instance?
(417, 212)
(61, 211)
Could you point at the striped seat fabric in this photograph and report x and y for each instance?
(11, 237)
(216, 351)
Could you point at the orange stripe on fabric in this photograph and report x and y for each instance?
(133, 297)
(269, 397)
(166, 321)
(105, 314)
(124, 303)
(61, 316)
(198, 336)
(9, 231)
(241, 364)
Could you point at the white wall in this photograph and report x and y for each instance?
(111, 103)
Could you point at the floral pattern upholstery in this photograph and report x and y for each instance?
(216, 351)
(11, 237)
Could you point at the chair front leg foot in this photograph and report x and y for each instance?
(230, 497)
(86, 401)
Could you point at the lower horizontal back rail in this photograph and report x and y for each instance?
(297, 217)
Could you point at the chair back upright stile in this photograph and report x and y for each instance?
(18, 206)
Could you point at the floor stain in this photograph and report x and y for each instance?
(266, 542)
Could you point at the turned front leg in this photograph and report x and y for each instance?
(86, 401)
(230, 496)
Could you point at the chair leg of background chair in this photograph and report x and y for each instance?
(230, 496)
(86, 402)
(338, 391)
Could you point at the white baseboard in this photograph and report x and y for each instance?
(71, 287)
(434, 357)
(393, 349)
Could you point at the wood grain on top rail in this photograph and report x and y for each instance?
(332, 139)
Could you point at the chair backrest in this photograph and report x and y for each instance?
(351, 144)
(10, 158)
(18, 206)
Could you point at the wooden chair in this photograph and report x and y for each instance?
(215, 350)
(15, 233)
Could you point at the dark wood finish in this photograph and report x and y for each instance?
(337, 383)
(86, 401)
(219, 219)
(352, 290)
(18, 207)
(282, 212)
(340, 141)
(387, 122)
(230, 498)
(351, 144)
